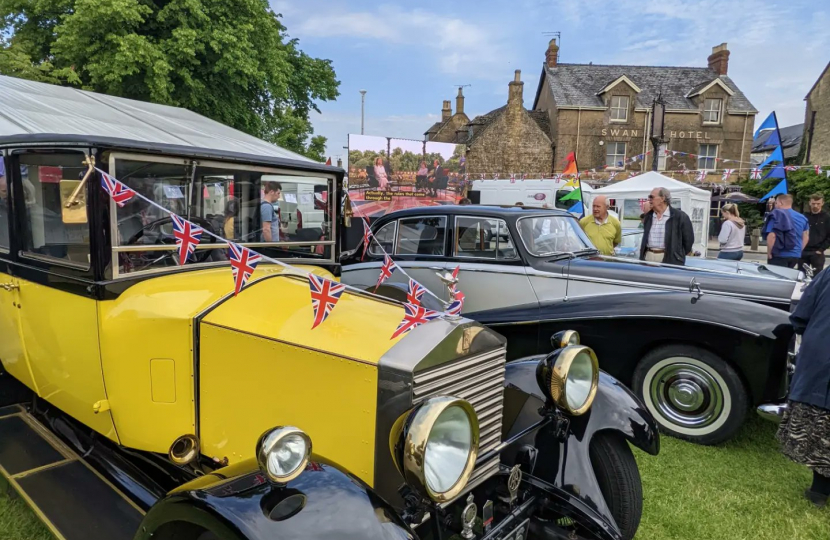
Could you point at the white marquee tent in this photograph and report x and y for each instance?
(629, 194)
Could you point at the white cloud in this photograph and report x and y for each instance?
(461, 46)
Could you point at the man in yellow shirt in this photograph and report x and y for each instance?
(603, 229)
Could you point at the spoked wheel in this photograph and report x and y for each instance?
(619, 480)
(692, 393)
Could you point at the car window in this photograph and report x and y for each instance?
(483, 238)
(4, 208)
(52, 229)
(548, 235)
(421, 236)
(386, 237)
(223, 199)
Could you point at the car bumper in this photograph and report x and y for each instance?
(773, 412)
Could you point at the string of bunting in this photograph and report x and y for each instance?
(325, 293)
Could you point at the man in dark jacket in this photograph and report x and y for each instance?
(668, 235)
(819, 240)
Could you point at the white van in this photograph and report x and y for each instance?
(532, 192)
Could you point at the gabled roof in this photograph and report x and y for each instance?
(703, 87)
(436, 127)
(34, 111)
(615, 82)
(820, 77)
(480, 123)
(577, 85)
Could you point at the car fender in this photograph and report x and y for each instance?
(563, 457)
(239, 503)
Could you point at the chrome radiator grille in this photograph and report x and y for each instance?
(479, 380)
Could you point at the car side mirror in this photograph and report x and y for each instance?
(73, 202)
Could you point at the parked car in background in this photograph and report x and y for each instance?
(698, 346)
(632, 240)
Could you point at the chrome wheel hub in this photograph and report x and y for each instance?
(686, 394)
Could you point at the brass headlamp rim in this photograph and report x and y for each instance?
(559, 378)
(413, 435)
(271, 438)
(184, 450)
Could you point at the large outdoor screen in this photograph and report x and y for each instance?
(387, 174)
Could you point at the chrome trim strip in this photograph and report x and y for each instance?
(571, 318)
(540, 273)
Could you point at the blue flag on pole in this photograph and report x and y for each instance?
(777, 155)
(769, 123)
(577, 208)
(773, 139)
(776, 172)
(780, 189)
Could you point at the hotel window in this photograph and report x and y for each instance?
(619, 108)
(711, 111)
(615, 154)
(706, 157)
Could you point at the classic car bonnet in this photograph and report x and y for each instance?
(636, 273)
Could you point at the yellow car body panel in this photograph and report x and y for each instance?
(147, 344)
(60, 332)
(249, 384)
(12, 351)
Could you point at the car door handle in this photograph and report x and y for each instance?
(9, 286)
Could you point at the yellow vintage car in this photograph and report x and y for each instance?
(142, 397)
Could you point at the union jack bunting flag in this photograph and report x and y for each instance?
(481, 176)
(415, 292)
(367, 237)
(755, 174)
(115, 189)
(187, 236)
(612, 176)
(414, 317)
(495, 176)
(512, 178)
(790, 168)
(524, 176)
(818, 169)
(324, 296)
(635, 173)
(386, 270)
(243, 264)
(455, 279)
(701, 176)
(727, 173)
(457, 304)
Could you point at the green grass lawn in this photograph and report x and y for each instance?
(741, 490)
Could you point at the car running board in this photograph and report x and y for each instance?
(66, 493)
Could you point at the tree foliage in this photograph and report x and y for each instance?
(230, 60)
(800, 184)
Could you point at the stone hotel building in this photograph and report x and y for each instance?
(603, 113)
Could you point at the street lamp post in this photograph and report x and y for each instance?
(658, 120)
(362, 108)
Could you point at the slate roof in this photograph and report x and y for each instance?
(576, 85)
(480, 123)
(436, 127)
(790, 141)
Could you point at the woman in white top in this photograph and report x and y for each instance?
(731, 237)
(380, 174)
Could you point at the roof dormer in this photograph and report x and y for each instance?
(622, 78)
(703, 88)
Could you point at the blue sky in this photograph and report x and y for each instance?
(409, 56)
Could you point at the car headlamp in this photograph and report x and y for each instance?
(282, 453)
(569, 377)
(564, 338)
(435, 447)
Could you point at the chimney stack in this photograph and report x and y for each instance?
(459, 102)
(552, 54)
(446, 112)
(515, 91)
(719, 59)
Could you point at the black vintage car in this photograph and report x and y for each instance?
(698, 346)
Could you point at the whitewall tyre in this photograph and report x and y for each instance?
(692, 393)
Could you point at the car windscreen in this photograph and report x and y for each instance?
(234, 202)
(549, 235)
